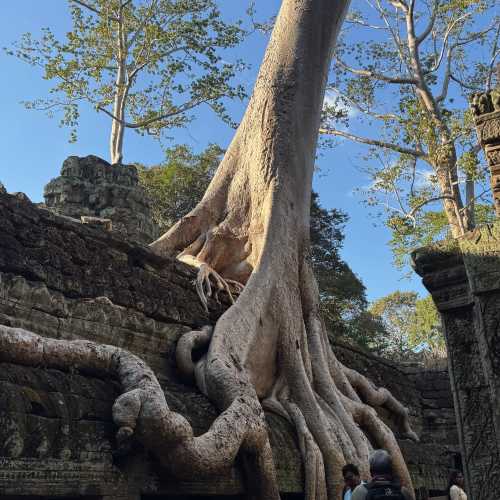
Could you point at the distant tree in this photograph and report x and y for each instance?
(342, 294)
(176, 186)
(145, 64)
(408, 322)
(426, 328)
(401, 88)
(367, 331)
(396, 311)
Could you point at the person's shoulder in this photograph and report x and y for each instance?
(360, 492)
(406, 493)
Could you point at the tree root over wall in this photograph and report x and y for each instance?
(270, 349)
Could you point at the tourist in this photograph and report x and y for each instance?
(455, 486)
(351, 479)
(383, 485)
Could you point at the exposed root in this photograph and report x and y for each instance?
(380, 397)
(252, 226)
(142, 410)
(190, 341)
(315, 481)
(203, 284)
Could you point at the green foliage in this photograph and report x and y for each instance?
(426, 326)
(412, 112)
(431, 226)
(342, 294)
(396, 312)
(367, 331)
(163, 57)
(176, 186)
(408, 323)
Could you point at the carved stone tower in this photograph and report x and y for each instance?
(91, 187)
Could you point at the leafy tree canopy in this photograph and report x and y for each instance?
(401, 89)
(145, 63)
(409, 323)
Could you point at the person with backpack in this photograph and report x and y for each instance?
(456, 485)
(352, 479)
(383, 485)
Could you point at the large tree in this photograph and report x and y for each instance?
(144, 63)
(252, 226)
(401, 89)
(176, 187)
(270, 349)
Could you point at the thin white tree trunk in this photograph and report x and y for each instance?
(120, 93)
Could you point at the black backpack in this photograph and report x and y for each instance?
(384, 491)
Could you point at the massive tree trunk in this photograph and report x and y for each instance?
(270, 349)
(252, 226)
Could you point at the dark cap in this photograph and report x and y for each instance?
(380, 463)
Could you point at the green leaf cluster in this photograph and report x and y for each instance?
(163, 57)
(177, 185)
(408, 323)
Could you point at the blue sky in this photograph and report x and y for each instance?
(34, 147)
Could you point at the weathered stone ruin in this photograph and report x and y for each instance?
(486, 108)
(91, 188)
(463, 277)
(63, 279)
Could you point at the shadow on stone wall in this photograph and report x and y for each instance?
(463, 277)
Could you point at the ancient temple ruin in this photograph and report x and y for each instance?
(91, 188)
(63, 279)
(463, 277)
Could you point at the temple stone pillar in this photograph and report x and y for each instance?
(486, 109)
(471, 321)
(90, 188)
(463, 277)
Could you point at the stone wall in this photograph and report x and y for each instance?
(90, 186)
(463, 277)
(66, 280)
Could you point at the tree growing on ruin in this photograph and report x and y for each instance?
(145, 64)
(176, 186)
(402, 91)
(269, 350)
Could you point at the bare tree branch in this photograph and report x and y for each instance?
(360, 22)
(377, 76)
(374, 142)
(357, 106)
(176, 111)
(447, 34)
(458, 43)
(494, 54)
(414, 210)
(430, 24)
